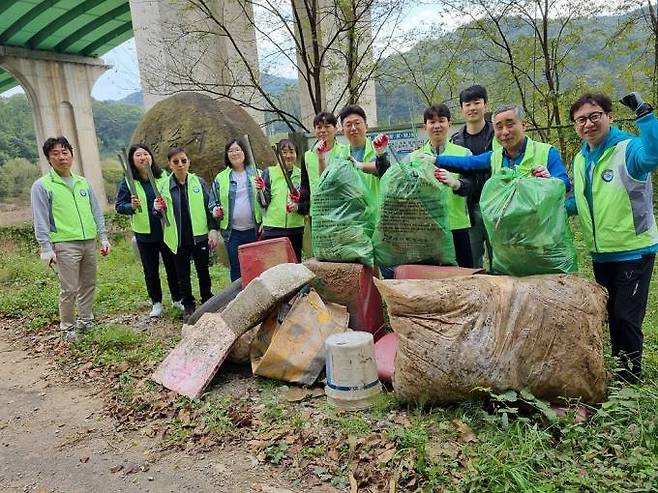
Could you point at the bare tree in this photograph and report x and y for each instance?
(640, 17)
(534, 41)
(333, 45)
(432, 67)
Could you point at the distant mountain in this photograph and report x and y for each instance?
(276, 85)
(593, 65)
(134, 99)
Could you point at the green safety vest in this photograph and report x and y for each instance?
(457, 205)
(140, 220)
(222, 186)
(276, 215)
(313, 165)
(369, 156)
(536, 154)
(621, 217)
(196, 208)
(70, 208)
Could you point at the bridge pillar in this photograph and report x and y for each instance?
(180, 49)
(333, 73)
(58, 88)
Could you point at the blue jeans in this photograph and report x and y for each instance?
(235, 239)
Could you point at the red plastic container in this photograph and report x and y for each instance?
(368, 311)
(432, 271)
(385, 349)
(351, 285)
(255, 258)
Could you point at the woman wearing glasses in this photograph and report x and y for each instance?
(191, 232)
(234, 202)
(147, 227)
(614, 202)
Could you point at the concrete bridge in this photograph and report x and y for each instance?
(52, 49)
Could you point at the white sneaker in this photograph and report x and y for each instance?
(178, 305)
(69, 335)
(156, 311)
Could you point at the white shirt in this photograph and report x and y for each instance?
(243, 217)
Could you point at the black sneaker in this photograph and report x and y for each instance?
(189, 310)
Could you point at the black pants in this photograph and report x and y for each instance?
(150, 255)
(201, 255)
(628, 289)
(462, 247)
(296, 238)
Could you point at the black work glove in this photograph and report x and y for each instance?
(635, 103)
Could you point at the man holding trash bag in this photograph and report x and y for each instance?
(517, 152)
(613, 198)
(527, 236)
(437, 120)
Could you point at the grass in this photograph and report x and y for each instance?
(517, 445)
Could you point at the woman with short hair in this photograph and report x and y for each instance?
(191, 232)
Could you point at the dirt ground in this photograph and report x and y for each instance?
(12, 214)
(54, 437)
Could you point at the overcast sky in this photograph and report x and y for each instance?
(123, 78)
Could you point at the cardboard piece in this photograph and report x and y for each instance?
(294, 351)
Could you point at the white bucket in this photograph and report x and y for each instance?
(352, 382)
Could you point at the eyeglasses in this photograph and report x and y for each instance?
(594, 117)
(234, 151)
(182, 161)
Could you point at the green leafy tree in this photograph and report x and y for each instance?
(17, 177)
(115, 123)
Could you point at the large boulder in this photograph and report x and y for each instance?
(202, 126)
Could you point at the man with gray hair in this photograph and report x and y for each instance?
(517, 151)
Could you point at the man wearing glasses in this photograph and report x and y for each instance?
(614, 201)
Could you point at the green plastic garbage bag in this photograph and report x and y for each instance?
(343, 213)
(412, 225)
(526, 222)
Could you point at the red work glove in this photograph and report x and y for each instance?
(218, 212)
(260, 183)
(321, 146)
(159, 204)
(541, 172)
(295, 196)
(380, 142)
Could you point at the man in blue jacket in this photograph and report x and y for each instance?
(517, 151)
(613, 198)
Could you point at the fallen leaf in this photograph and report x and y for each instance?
(466, 432)
(386, 456)
(354, 487)
(184, 417)
(317, 392)
(84, 460)
(117, 468)
(296, 394)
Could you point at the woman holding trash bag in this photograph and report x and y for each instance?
(191, 231)
(234, 202)
(147, 227)
(281, 217)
